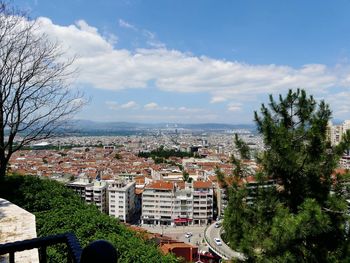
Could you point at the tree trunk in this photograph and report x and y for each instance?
(3, 167)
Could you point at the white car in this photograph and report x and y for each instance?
(188, 235)
(218, 241)
(217, 224)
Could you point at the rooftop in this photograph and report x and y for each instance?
(160, 185)
(202, 184)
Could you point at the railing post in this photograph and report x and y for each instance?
(12, 257)
(42, 254)
(74, 248)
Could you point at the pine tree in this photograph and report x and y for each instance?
(300, 220)
(298, 153)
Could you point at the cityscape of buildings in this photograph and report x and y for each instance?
(142, 131)
(110, 172)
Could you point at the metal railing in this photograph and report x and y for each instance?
(74, 248)
(97, 251)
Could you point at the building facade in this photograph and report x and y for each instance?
(121, 196)
(202, 202)
(335, 132)
(79, 186)
(171, 203)
(97, 194)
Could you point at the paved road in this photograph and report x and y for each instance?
(224, 250)
(178, 233)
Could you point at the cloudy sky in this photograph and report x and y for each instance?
(200, 61)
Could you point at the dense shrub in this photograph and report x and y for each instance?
(59, 210)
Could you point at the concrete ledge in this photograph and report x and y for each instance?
(17, 224)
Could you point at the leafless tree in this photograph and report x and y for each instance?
(35, 98)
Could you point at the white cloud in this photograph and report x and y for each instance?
(124, 24)
(103, 66)
(340, 105)
(151, 106)
(129, 105)
(113, 105)
(234, 107)
(111, 39)
(85, 27)
(79, 39)
(152, 40)
(217, 99)
(186, 109)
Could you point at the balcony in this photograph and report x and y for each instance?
(75, 253)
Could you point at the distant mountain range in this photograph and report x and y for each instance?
(86, 127)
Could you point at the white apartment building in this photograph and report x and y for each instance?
(202, 202)
(335, 132)
(97, 194)
(169, 203)
(158, 203)
(79, 186)
(335, 135)
(121, 195)
(91, 192)
(183, 204)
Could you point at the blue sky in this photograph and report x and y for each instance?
(200, 61)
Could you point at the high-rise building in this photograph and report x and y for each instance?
(121, 195)
(158, 203)
(183, 204)
(335, 132)
(202, 202)
(169, 203)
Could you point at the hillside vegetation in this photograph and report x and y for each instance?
(59, 210)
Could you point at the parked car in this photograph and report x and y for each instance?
(218, 241)
(188, 235)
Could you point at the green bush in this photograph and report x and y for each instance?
(59, 210)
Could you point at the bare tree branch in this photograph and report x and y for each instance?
(35, 98)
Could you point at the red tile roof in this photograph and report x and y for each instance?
(160, 185)
(202, 184)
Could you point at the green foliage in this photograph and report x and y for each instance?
(298, 221)
(298, 152)
(221, 177)
(242, 147)
(164, 154)
(58, 210)
(186, 177)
